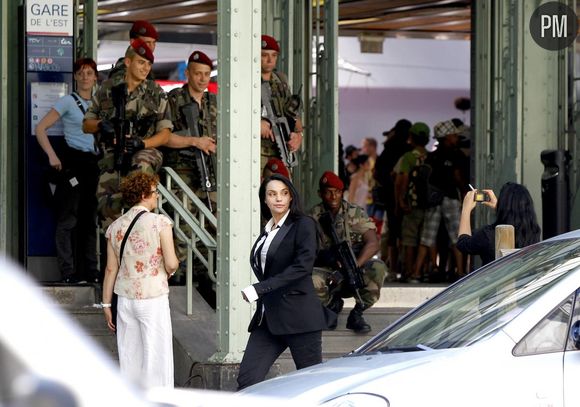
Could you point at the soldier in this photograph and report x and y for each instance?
(146, 32)
(180, 156)
(281, 100)
(353, 225)
(146, 124)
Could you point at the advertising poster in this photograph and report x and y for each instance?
(43, 95)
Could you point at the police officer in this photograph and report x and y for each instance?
(281, 96)
(180, 156)
(353, 225)
(147, 122)
(146, 32)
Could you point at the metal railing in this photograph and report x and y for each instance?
(193, 223)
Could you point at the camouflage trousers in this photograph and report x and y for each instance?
(181, 247)
(110, 202)
(374, 274)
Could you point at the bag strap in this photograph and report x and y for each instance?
(79, 103)
(127, 235)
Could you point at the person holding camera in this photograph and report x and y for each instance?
(514, 207)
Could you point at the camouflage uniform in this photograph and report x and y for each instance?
(374, 269)
(182, 160)
(281, 95)
(147, 109)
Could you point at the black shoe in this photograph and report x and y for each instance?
(73, 279)
(356, 322)
(335, 304)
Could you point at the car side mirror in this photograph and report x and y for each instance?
(575, 334)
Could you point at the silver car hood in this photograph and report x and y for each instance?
(341, 375)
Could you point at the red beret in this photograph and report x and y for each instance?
(142, 50)
(270, 43)
(277, 167)
(330, 180)
(200, 58)
(142, 28)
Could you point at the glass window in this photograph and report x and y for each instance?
(550, 334)
(482, 303)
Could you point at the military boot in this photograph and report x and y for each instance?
(356, 322)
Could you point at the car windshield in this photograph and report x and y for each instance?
(482, 303)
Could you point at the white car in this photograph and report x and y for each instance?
(505, 335)
(46, 361)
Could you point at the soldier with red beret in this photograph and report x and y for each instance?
(140, 30)
(275, 166)
(146, 125)
(281, 96)
(352, 225)
(181, 150)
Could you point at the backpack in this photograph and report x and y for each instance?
(421, 194)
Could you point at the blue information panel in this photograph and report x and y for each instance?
(49, 54)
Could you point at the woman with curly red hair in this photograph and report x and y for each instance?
(140, 259)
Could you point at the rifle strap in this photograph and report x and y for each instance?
(77, 99)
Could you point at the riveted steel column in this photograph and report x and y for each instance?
(11, 93)
(322, 126)
(520, 97)
(89, 33)
(239, 30)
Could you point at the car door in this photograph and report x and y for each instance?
(572, 359)
(539, 357)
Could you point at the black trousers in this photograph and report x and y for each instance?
(76, 210)
(264, 348)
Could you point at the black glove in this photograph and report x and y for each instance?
(132, 145)
(107, 130)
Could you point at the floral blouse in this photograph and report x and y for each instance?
(142, 273)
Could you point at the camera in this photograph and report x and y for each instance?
(481, 196)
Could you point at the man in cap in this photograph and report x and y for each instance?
(446, 163)
(180, 152)
(352, 224)
(180, 156)
(281, 101)
(144, 31)
(409, 208)
(146, 125)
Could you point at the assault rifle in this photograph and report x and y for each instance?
(204, 162)
(343, 255)
(280, 126)
(122, 128)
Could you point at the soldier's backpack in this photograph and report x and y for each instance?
(421, 194)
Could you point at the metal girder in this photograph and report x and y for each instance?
(519, 98)
(239, 32)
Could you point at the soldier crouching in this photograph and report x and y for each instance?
(348, 224)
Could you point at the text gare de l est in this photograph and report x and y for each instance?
(49, 15)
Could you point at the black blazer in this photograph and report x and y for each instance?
(285, 288)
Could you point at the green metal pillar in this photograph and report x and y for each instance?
(11, 131)
(519, 97)
(239, 31)
(321, 138)
(89, 34)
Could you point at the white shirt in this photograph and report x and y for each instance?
(271, 232)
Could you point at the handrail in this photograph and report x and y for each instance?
(175, 201)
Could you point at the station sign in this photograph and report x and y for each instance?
(49, 17)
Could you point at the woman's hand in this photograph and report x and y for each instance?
(469, 201)
(109, 318)
(54, 162)
(492, 203)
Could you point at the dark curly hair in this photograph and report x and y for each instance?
(137, 185)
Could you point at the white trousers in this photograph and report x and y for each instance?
(145, 341)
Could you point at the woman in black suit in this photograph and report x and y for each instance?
(289, 314)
